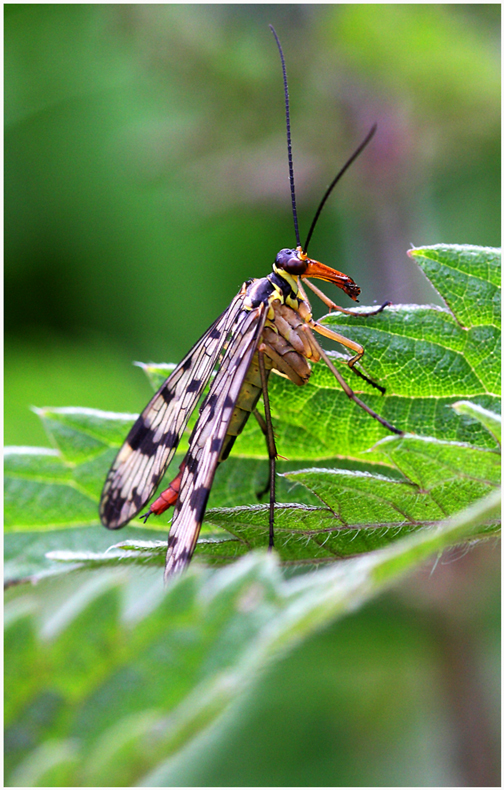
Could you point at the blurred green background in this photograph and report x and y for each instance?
(146, 179)
(146, 171)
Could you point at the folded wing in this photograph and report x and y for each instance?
(208, 436)
(151, 443)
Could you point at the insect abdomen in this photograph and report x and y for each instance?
(245, 405)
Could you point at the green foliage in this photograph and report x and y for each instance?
(130, 175)
(145, 153)
(110, 677)
(372, 488)
(391, 42)
(81, 644)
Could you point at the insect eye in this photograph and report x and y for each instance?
(289, 261)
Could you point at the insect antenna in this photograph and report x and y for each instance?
(335, 181)
(289, 143)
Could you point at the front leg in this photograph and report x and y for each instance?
(332, 306)
(349, 391)
(345, 341)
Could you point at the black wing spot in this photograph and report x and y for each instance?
(216, 445)
(167, 395)
(199, 498)
(143, 440)
(137, 498)
(170, 439)
(184, 556)
(210, 404)
(145, 443)
(189, 460)
(138, 434)
(193, 385)
(113, 507)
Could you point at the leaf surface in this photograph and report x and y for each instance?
(79, 649)
(347, 486)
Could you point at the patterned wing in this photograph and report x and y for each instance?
(151, 443)
(208, 437)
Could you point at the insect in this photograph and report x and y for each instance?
(268, 326)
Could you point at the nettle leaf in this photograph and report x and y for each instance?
(441, 370)
(364, 511)
(468, 278)
(491, 421)
(41, 491)
(78, 650)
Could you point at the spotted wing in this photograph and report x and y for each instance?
(151, 443)
(208, 437)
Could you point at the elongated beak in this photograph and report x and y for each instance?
(323, 272)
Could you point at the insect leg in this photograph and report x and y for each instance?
(261, 421)
(264, 428)
(332, 306)
(345, 341)
(351, 394)
(272, 453)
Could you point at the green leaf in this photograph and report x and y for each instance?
(81, 434)
(364, 511)
(491, 421)
(468, 278)
(42, 491)
(426, 357)
(79, 649)
(372, 488)
(29, 555)
(156, 373)
(358, 512)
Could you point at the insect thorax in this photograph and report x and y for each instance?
(284, 341)
(277, 286)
